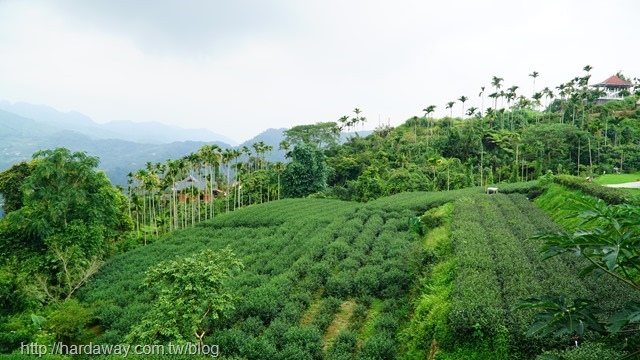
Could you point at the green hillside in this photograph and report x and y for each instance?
(382, 247)
(341, 280)
(307, 263)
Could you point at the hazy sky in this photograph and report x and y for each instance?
(239, 67)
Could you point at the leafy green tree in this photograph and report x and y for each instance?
(69, 217)
(192, 291)
(10, 182)
(306, 174)
(321, 134)
(369, 185)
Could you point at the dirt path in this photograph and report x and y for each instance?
(629, 185)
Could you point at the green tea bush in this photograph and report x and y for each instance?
(421, 201)
(380, 346)
(367, 280)
(326, 313)
(609, 195)
(257, 348)
(295, 252)
(340, 285)
(521, 187)
(344, 346)
(252, 326)
(276, 331)
(303, 343)
(264, 303)
(587, 351)
(230, 340)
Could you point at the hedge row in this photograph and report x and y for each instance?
(496, 266)
(421, 201)
(611, 196)
(428, 328)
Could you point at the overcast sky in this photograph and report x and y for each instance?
(239, 67)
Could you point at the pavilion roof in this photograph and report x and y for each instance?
(188, 182)
(614, 81)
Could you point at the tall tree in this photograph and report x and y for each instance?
(463, 99)
(70, 215)
(278, 167)
(414, 120)
(496, 82)
(450, 107)
(356, 120)
(428, 112)
(324, 134)
(307, 172)
(481, 96)
(534, 75)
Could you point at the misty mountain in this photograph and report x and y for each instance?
(117, 157)
(157, 133)
(145, 132)
(121, 146)
(273, 137)
(12, 125)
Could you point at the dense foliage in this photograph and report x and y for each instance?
(303, 273)
(307, 172)
(64, 218)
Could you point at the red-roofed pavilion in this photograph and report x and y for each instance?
(614, 89)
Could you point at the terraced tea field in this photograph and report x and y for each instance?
(326, 279)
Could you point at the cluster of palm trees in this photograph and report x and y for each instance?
(575, 95)
(346, 123)
(221, 180)
(575, 100)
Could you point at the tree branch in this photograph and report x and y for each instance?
(630, 283)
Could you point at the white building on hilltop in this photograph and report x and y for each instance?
(614, 88)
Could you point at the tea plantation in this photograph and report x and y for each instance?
(413, 276)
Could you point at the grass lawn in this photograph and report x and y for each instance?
(633, 192)
(617, 178)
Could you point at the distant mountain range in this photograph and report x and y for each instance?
(142, 132)
(122, 146)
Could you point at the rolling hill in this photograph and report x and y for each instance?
(342, 280)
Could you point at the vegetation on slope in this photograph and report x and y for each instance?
(480, 274)
(305, 261)
(322, 278)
